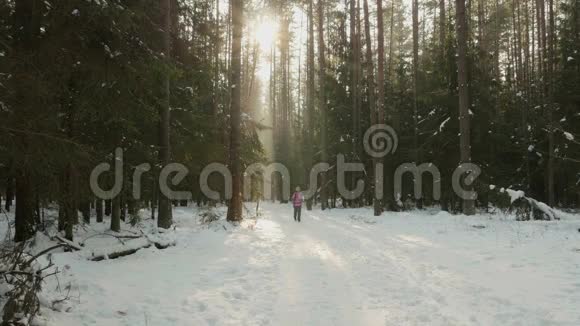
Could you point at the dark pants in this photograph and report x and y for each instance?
(297, 213)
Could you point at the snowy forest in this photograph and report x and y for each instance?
(252, 109)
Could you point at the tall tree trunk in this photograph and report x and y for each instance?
(24, 215)
(551, 80)
(70, 200)
(354, 74)
(381, 87)
(275, 122)
(99, 210)
(463, 89)
(322, 102)
(216, 77)
(26, 28)
(380, 63)
(372, 102)
(85, 207)
(9, 193)
(116, 215)
(442, 28)
(165, 219)
(496, 55)
(109, 206)
(355, 79)
(123, 205)
(415, 82)
(310, 93)
(284, 99)
(61, 215)
(235, 205)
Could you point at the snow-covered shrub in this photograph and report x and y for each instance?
(134, 218)
(516, 202)
(209, 215)
(20, 282)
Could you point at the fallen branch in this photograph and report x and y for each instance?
(45, 251)
(128, 249)
(119, 237)
(118, 254)
(68, 243)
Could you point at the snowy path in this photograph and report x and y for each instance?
(342, 267)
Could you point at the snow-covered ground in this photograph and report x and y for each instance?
(338, 267)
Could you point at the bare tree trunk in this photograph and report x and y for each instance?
(61, 215)
(381, 87)
(497, 71)
(116, 215)
(123, 205)
(235, 205)
(24, 214)
(85, 208)
(108, 207)
(310, 93)
(9, 193)
(354, 73)
(165, 219)
(99, 210)
(442, 27)
(26, 27)
(284, 99)
(380, 63)
(322, 101)
(415, 82)
(275, 122)
(462, 80)
(217, 44)
(550, 79)
(70, 201)
(372, 102)
(355, 86)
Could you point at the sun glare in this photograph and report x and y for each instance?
(265, 33)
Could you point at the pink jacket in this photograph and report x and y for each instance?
(297, 199)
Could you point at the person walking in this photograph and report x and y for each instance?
(297, 200)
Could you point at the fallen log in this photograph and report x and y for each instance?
(129, 248)
(118, 254)
(119, 237)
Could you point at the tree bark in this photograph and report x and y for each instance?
(354, 76)
(123, 206)
(61, 215)
(310, 92)
(463, 89)
(116, 215)
(24, 214)
(165, 219)
(284, 100)
(85, 208)
(108, 207)
(70, 201)
(9, 193)
(372, 102)
(550, 78)
(235, 206)
(322, 102)
(442, 28)
(415, 10)
(99, 210)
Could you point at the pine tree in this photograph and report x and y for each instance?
(235, 205)
(463, 86)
